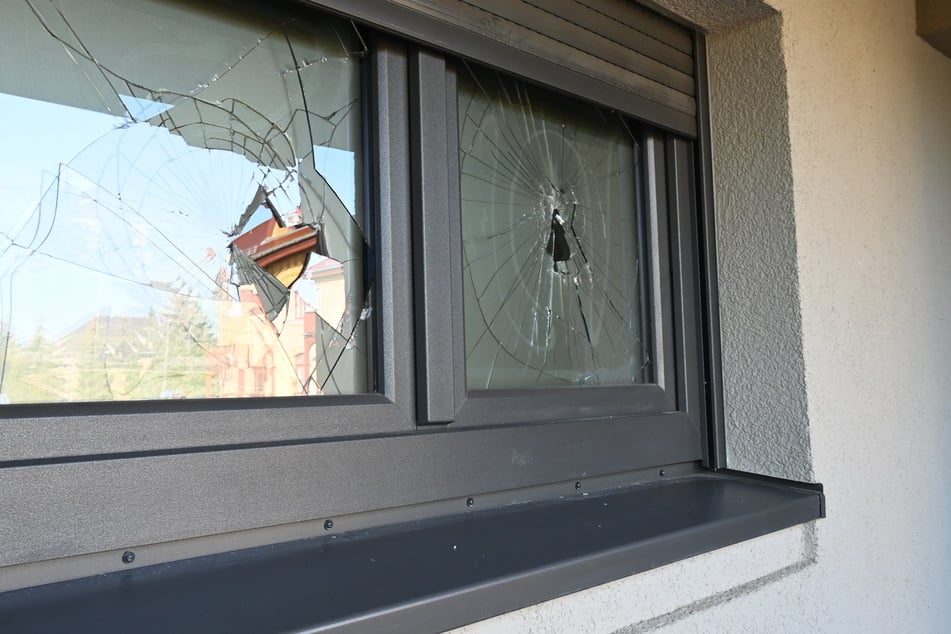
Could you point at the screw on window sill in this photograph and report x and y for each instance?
(128, 557)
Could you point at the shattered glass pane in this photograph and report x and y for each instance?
(550, 256)
(183, 215)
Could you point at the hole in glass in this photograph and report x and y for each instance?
(550, 239)
(183, 216)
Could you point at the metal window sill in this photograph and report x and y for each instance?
(428, 575)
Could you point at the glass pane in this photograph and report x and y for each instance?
(550, 239)
(183, 214)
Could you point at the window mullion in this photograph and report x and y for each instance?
(435, 240)
(388, 90)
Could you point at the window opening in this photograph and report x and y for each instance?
(183, 203)
(552, 291)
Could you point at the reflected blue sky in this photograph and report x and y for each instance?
(123, 203)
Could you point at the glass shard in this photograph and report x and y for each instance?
(552, 294)
(169, 231)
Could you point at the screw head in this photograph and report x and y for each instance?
(328, 524)
(577, 485)
(469, 502)
(662, 472)
(128, 557)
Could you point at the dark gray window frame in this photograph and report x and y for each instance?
(442, 395)
(370, 464)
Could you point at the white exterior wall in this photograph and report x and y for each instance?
(839, 210)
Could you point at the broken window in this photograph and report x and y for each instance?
(553, 292)
(183, 205)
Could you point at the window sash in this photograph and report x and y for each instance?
(672, 273)
(32, 432)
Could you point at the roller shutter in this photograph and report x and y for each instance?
(644, 63)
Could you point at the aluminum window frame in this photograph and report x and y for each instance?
(180, 452)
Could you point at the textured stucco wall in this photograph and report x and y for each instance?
(870, 130)
(834, 202)
(761, 335)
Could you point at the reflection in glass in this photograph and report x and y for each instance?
(182, 216)
(550, 255)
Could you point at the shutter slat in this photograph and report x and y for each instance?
(644, 21)
(609, 27)
(564, 34)
(488, 24)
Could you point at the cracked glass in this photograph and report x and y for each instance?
(183, 207)
(552, 286)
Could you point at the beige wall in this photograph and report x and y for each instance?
(870, 130)
(866, 167)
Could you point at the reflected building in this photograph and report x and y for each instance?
(249, 342)
(119, 357)
(225, 347)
